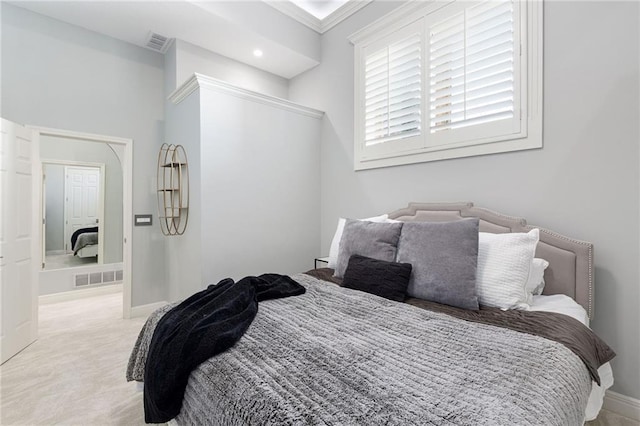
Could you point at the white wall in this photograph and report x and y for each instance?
(583, 183)
(61, 76)
(254, 181)
(54, 214)
(189, 59)
(184, 257)
(54, 148)
(260, 184)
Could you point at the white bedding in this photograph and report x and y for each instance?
(563, 304)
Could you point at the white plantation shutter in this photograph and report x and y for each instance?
(437, 80)
(472, 70)
(392, 91)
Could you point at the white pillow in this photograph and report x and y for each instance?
(535, 282)
(504, 261)
(335, 243)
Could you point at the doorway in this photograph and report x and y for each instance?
(114, 229)
(73, 209)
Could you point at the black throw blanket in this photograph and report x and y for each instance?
(206, 324)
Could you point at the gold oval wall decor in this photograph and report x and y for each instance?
(173, 189)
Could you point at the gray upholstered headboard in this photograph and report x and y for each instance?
(570, 268)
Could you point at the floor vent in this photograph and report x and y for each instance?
(94, 278)
(157, 42)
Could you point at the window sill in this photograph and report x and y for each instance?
(440, 153)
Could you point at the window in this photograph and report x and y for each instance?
(392, 92)
(448, 80)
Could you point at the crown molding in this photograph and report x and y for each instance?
(342, 13)
(407, 12)
(300, 15)
(318, 25)
(199, 81)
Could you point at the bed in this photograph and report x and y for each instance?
(335, 355)
(85, 242)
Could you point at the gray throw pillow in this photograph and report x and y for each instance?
(370, 239)
(444, 256)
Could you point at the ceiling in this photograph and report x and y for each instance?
(211, 25)
(319, 9)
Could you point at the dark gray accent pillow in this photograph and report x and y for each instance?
(379, 277)
(444, 256)
(371, 239)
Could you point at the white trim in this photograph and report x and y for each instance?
(70, 134)
(622, 405)
(204, 82)
(36, 229)
(403, 14)
(297, 13)
(127, 194)
(342, 13)
(318, 25)
(145, 310)
(65, 296)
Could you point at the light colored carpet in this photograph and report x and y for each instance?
(74, 373)
(62, 261)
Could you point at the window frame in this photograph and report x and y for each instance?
(530, 86)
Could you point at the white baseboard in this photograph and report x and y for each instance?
(622, 405)
(65, 296)
(145, 310)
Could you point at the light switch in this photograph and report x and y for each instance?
(143, 220)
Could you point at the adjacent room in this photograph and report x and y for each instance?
(356, 212)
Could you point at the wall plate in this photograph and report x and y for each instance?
(143, 220)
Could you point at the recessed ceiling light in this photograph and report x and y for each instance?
(257, 53)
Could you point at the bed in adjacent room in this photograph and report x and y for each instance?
(433, 314)
(84, 242)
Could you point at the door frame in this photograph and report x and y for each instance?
(127, 192)
(70, 163)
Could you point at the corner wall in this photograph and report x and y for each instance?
(61, 76)
(184, 257)
(254, 179)
(184, 59)
(583, 182)
(260, 185)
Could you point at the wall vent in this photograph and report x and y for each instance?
(108, 276)
(95, 278)
(82, 280)
(157, 42)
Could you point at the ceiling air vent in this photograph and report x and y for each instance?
(157, 42)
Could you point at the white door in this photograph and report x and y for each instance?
(82, 191)
(18, 279)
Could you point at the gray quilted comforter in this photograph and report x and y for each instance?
(341, 357)
(84, 240)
